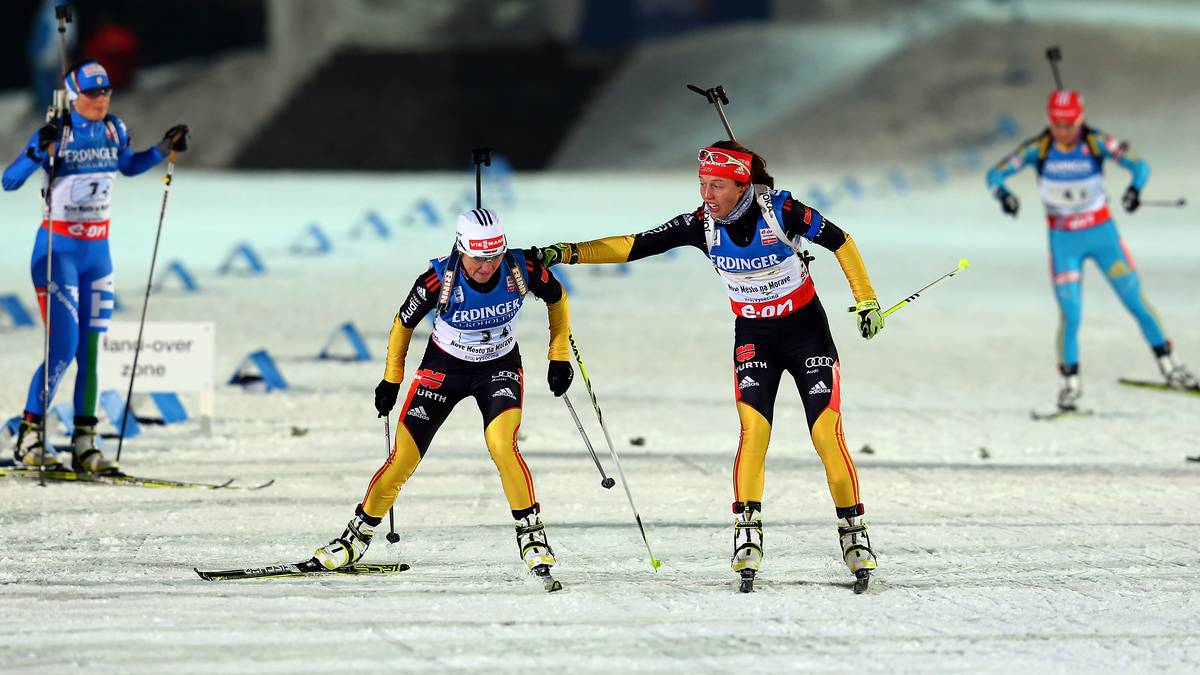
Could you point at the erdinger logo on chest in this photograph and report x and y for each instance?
(734, 264)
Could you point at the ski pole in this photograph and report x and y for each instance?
(62, 14)
(392, 537)
(1054, 55)
(962, 265)
(655, 563)
(137, 348)
(605, 481)
(1170, 203)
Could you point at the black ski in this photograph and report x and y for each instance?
(1059, 414)
(746, 584)
(62, 475)
(1158, 386)
(548, 582)
(302, 569)
(862, 581)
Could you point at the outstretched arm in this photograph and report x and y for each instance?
(544, 286)
(683, 230)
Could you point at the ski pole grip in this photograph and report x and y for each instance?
(481, 156)
(1053, 54)
(63, 14)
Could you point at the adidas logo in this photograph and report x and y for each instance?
(747, 381)
(819, 388)
(419, 413)
(504, 392)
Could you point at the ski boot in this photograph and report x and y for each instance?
(856, 550)
(348, 548)
(30, 452)
(1071, 392)
(1177, 376)
(85, 456)
(747, 543)
(535, 549)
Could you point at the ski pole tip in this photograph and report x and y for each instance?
(963, 264)
(655, 563)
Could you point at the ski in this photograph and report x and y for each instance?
(62, 475)
(862, 581)
(1158, 386)
(1059, 414)
(307, 568)
(548, 582)
(746, 584)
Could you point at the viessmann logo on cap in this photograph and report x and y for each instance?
(485, 244)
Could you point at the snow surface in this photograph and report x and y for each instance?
(1070, 547)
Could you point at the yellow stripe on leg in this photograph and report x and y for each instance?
(394, 473)
(828, 439)
(501, 438)
(749, 467)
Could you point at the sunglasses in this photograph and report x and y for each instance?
(707, 156)
(99, 92)
(486, 259)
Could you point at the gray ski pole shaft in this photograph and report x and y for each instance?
(392, 537)
(1169, 203)
(655, 563)
(137, 348)
(62, 14)
(605, 481)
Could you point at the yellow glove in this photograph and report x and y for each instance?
(870, 320)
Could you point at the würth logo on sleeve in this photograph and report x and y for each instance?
(744, 353)
(485, 244)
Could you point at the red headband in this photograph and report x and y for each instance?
(722, 163)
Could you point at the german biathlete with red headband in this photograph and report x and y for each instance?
(476, 294)
(751, 234)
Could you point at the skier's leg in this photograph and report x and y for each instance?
(499, 393)
(756, 374)
(1113, 257)
(815, 367)
(431, 397)
(95, 314)
(1066, 271)
(59, 299)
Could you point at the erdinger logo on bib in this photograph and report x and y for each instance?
(485, 244)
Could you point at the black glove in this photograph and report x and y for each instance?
(385, 396)
(1008, 202)
(175, 139)
(559, 376)
(48, 135)
(1132, 199)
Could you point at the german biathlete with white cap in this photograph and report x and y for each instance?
(476, 293)
(1068, 156)
(80, 296)
(751, 235)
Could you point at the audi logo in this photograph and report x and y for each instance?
(818, 361)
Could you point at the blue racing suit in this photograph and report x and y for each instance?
(1071, 182)
(80, 292)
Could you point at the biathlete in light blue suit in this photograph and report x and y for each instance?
(1069, 156)
(79, 295)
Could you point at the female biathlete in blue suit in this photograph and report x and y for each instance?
(750, 233)
(1069, 156)
(79, 296)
